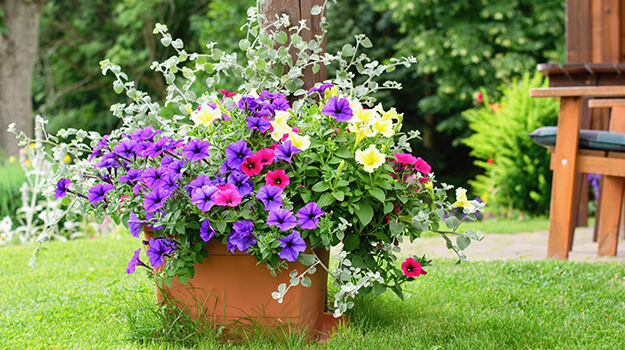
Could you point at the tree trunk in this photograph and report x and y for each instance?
(18, 52)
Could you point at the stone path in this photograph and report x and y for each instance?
(528, 246)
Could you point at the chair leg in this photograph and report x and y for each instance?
(609, 220)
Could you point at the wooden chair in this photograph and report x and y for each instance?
(568, 159)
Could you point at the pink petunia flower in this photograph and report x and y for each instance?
(229, 197)
(422, 167)
(277, 178)
(227, 93)
(252, 166)
(412, 268)
(405, 158)
(266, 155)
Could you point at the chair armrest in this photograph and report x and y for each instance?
(595, 91)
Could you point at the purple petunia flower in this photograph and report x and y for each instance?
(145, 134)
(282, 218)
(292, 245)
(159, 248)
(271, 196)
(206, 231)
(135, 225)
(61, 188)
(177, 166)
(154, 178)
(133, 175)
(134, 262)
(236, 154)
(242, 182)
(308, 216)
(258, 123)
(200, 180)
(248, 103)
(338, 108)
(155, 200)
(108, 161)
(97, 150)
(158, 147)
(280, 104)
(286, 151)
(195, 150)
(170, 181)
(204, 197)
(98, 192)
(241, 238)
(125, 148)
(320, 89)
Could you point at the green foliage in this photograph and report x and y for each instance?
(517, 174)
(11, 179)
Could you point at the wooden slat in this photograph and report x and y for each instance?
(578, 31)
(597, 28)
(606, 102)
(610, 215)
(596, 91)
(600, 165)
(611, 38)
(560, 217)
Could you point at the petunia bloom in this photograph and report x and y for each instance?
(206, 231)
(157, 148)
(145, 134)
(462, 201)
(134, 262)
(133, 175)
(338, 108)
(125, 148)
(135, 225)
(159, 248)
(61, 188)
(228, 197)
(281, 218)
(242, 237)
(155, 200)
(258, 123)
(204, 197)
(266, 155)
(98, 192)
(292, 245)
(286, 151)
(154, 178)
(196, 150)
(251, 166)
(405, 158)
(242, 182)
(206, 115)
(277, 178)
(270, 196)
(236, 154)
(300, 141)
(422, 167)
(412, 268)
(371, 158)
(280, 126)
(308, 216)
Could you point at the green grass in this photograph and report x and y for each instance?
(79, 297)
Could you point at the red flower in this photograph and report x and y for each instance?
(490, 161)
(277, 178)
(412, 268)
(251, 166)
(227, 93)
(405, 158)
(422, 166)
(266, 155)
(228, 197)
(423, 180)
(479, 97)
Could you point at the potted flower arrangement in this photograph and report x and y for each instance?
(271, 172)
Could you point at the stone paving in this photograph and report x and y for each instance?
(528, 246)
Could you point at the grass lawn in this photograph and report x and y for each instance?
(77, 298)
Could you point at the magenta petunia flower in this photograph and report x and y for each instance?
(277, 178)
(155, 200)
(308, 216)
(196, 150)
(98, 192)
(61, 188)
(270, 196)
(266, 155)
(338, 108)
(412, 268)
(204, 197)
(405, 158)
(281, 218)
(422, 167)
(134, 262)
(292, 245)
(227, 93)
(229, 197)
(251, 166)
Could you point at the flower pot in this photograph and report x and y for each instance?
(234, 289)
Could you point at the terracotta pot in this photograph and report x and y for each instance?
(233, 289)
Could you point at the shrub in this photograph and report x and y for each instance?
(516, 170)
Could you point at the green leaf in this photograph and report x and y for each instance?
(365, 214)
(397, 289)
(366, 43)
(396, 227)
(378, 288)
(281, 37)
(348, 50)
(463, 242)
(306, 259)
(344, 153)
(315, 10)
(118, 87)
(320, 187)
(452, 222)
(183, 279)
(244, 44)
(306, 282)
(66, 201)
(378, 194)
(294, 281)
(338, 195)
(351, 242)
(325, 200)
(166, 41)
(316, 68)
(167, 282)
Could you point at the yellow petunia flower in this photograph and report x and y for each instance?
(390, 114)
(366, 116)
(462, 201)
(371, 158)
(384, 127)
(300, 141)
(206, 115)
(280, 126)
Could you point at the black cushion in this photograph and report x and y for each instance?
(588, 139)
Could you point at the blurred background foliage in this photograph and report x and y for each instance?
(463, 47)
